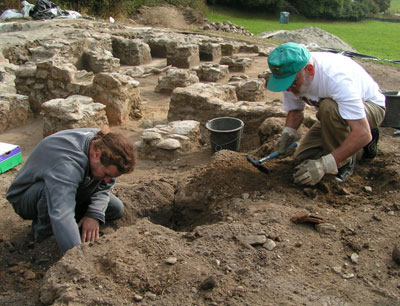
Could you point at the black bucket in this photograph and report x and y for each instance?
(392, 114)
(225, 133)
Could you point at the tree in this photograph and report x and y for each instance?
(383, 5)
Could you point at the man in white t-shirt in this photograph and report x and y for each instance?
(350, 110)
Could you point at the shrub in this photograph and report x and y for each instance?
(122, 8)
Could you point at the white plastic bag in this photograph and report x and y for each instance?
(71, 15)
(26, 8)
(11, 14)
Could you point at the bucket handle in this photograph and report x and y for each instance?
(218, 147)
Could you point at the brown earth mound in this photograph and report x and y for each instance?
(169, 16)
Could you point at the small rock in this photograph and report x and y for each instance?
(9, 246)
(396, 255)
(208, 284)
(343, 191)
(311, 193)
(269, 244)
(137, 298)
(14, 269)
(239, 290)
(348, 276)
(254, 240)
(169, 144)
(42, 260)
(171, 260)
(367, 189)
(245, 196)
(29, 275)
(147, 124)
(150, 295)
(149, 135)
(354, 258)
(377, 218)
(325, 228)
(337, 269)
(217, 262)
(391, 213)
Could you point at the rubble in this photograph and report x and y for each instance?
(167, 141)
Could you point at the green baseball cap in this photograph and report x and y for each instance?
(285, 61)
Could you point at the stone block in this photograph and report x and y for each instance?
(131, 51)
(100, 61)
(229, 49)
(210, 51)
(159, 46)
(211, 72)
(183, 56)
(236, 64)
(120, 94)
(251, 90)
(245, 48)
(73, 112)
(15, 111)
(175, 78)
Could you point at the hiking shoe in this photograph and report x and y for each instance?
(346, 171)
(371, 149)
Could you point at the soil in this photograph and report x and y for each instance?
(208, 229)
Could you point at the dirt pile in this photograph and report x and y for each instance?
(169, 16)
(310, 36)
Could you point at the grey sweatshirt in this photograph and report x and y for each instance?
(61, 161)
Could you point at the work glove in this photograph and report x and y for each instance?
(311, 172)
(288, 136)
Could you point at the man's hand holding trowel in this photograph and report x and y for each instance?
(289, 135)
(258, 163)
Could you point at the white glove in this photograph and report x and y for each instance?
(311, 172)
(288, 136)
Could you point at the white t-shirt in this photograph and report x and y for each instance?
(341, 79)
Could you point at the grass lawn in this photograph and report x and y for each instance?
(370, 37)
(394, 6)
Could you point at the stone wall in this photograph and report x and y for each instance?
(203, 102)
(56, 79)
(50, 80)
(14, 111)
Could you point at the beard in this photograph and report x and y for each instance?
(304, 87)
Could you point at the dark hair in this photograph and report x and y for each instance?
(116, 150)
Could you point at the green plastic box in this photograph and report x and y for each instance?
(10, 156)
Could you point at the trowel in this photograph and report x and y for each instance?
(258, 163)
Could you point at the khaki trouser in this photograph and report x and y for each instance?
(330, 131)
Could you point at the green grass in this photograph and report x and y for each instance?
(370, 37)
(394, 6)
